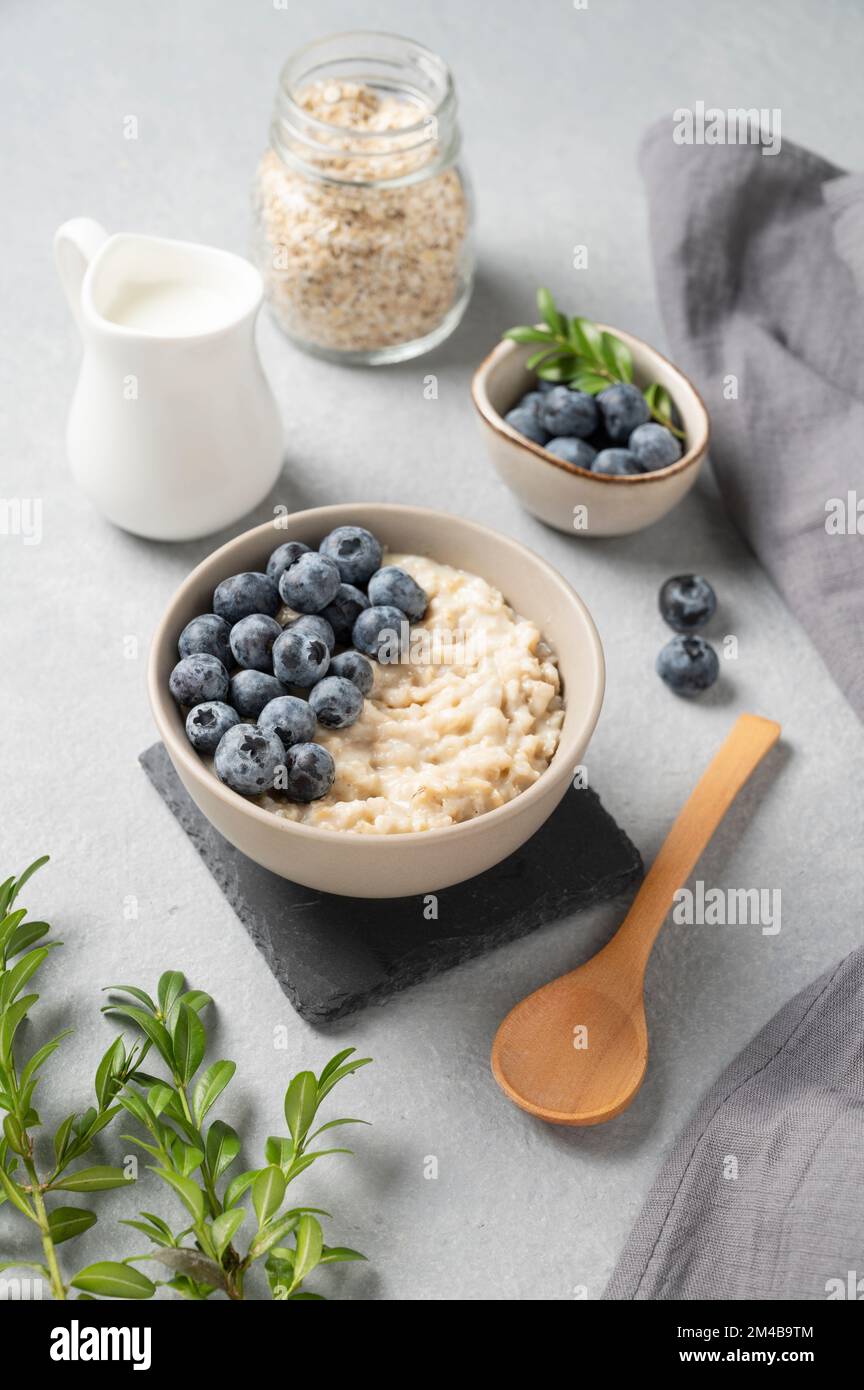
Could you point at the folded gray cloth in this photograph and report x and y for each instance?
(760, 271)
(761, 1195)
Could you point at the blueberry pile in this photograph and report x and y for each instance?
(255, 691)
(688, 664)
(609, 433)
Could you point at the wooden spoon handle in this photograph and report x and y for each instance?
(743, 750)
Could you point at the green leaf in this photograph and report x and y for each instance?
(14, 980)
(617, 356)
(97, 1179)
(196, 999)
(15, 1195)
(337, 1254)
(10, 1023)
(107, 1080)
(136, 1105)
(42, 1055)
(274, 1233)
(135, 993)
(527, 334)
(548, 312)
(340, 1073)
(268, 1192)
(546, 358)
(190, 1042)
(305, 1161)
(223, 1146)
(113, 1280)
(168, 991)
(279, 1151)
(586, 338)
(335, 1063)
(67, 1222)
(237, 1186)
(10, 924)
(187, 1157)
(301, 1102)
(308, 1248)
(559, 372)
(188, 1191)
(61, 1137)
(24, 936)
(662, 407)
(225, 1227)
(157, 1237)
(210, 1086)
(589, 382)
(334, 1124)
(162, 1098)
(150, 1026)
(14, 1132)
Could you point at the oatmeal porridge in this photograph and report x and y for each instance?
(466, 721)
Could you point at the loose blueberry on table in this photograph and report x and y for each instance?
(688, 665)
(242, 670)
(687, 602)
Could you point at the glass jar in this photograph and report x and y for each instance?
(363, 217)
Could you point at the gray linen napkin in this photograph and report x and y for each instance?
(760, 273)
(761, 1195)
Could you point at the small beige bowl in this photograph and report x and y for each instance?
(569, 498)
(386, 866)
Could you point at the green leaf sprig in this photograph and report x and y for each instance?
(22, 1185)
(576, 353)
(193, 1159)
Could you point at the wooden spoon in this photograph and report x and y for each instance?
(575, 1051)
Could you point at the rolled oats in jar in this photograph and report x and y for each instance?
(363, 215)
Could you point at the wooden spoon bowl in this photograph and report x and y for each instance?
(575, 1051)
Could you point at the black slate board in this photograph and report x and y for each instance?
(333, 955)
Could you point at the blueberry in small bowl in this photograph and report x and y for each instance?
(252, 641)
(207, 722)
(393, 587)
(309, 772)
(250, 691)
(207, 633)
(198, 678)
(248, 759)
(241, 594)
(336, 701)
(291, 718)
(310, 583)
(355, 552)
(300, 658)
(354, 667)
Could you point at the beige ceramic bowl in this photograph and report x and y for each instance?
(384, 866)
(569, 498)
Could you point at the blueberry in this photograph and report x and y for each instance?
(310, 583)
(654, 447)
(355, 551)
(247, 760)
(382, 632)
(317, 625)
(252, 641)
(337, 702)
(198, 678)
(341, 614)
(577, 451)
(251, 690)
(283, 556)
(353, 667)
(207, 633)
(616, 463)
(242, 594)
(687, 601)
(623, 408)
(527, 423)
(289, 717)
(532, 401)
(688, 665)
(544, 386)
(567, 412)
(310, 772)
(395, 587)
(206, 723)
(300, 658)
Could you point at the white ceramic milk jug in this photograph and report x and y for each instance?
(173, 431)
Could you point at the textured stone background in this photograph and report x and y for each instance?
(554, 101)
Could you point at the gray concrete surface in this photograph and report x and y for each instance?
(554, 100)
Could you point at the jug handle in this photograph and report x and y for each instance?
(75, 245)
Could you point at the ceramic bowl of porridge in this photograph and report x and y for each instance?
(467, 739)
